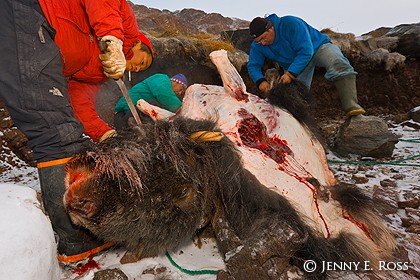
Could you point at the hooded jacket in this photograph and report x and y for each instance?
(79, 23)
(294, 45)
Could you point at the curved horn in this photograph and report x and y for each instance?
(207, 136)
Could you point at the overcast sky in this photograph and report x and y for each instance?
(355, 16)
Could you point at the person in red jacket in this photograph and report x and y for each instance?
(79, 26)
(38, 46)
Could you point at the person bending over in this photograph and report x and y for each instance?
(298, 48)
(78, 26)
(158, 90)
(37, 38)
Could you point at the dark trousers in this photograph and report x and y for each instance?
(124, 120)
(32, 84)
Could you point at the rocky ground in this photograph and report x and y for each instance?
(388, 66)
(394, 179)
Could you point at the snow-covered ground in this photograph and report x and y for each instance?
(199, 259)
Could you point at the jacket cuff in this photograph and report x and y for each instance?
(258, 82)
(291, 75)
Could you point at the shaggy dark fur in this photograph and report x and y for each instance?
(296, 99)
(154, 187)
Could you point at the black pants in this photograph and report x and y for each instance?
(32, 84)
(124, 120)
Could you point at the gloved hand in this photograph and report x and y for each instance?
(113, 59)
(108, 134)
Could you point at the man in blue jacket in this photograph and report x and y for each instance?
(299, 48)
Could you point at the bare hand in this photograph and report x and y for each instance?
(264, 86)
(286, 79)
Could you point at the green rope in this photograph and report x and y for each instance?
(395, 162)
(413, 140)
(191, 272)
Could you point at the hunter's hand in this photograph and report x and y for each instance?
(286, 78)
(264, 86)
(112, 58)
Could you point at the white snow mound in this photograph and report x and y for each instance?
(28, 248)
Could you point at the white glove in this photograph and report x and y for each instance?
(113, 59)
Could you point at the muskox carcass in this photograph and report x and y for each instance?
(230, 160)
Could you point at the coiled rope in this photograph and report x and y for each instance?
(191, 272)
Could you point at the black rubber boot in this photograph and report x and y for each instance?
(72, 240)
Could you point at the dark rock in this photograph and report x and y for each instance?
(403, 38)
(365, 136)
(415, 114)
(414, 229)
(411, 199)
(155, 270)
(223, 275)
(110, 274)
(399, 177)
(359, 179)
(5, 120)
(399, 118)
(13, 139)
(389, 196)
(390, 61)
(412, 221)
(185, 21)
(408, 39)
(240, 39)
(387, 183)
(411, 124)
(406, 222)
(413, 213)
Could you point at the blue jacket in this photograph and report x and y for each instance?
(294, 45)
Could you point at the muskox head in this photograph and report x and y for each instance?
(145, 189)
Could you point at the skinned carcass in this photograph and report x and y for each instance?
(229, 159)
(280, 151)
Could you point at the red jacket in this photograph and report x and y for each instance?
(78, 24)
